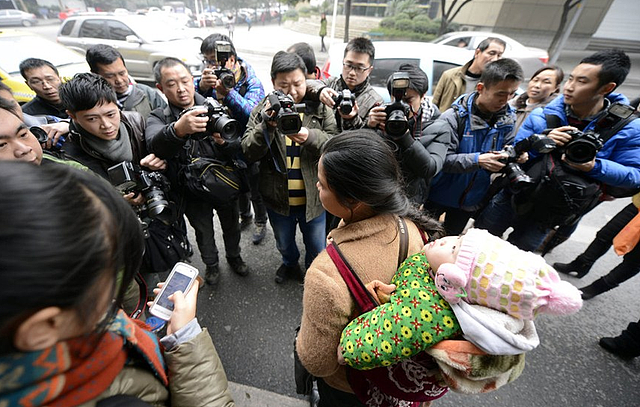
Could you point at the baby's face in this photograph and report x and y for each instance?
(443, 250)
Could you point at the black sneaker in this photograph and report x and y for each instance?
(212, 275)
(259, 233)
(238, 266)
(619, 347)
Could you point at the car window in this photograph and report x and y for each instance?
(461, 42)
(382, 68)
(67, 27)
(438, 68)
(93, 29)
(118, 31)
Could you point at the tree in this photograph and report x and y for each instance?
(449, 13)
(566, 8)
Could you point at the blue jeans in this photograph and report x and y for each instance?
(499, 215)
(284, 230)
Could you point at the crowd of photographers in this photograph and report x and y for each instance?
(218, 143)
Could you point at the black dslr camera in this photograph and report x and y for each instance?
(518, 179)
(219, 120)
(584, 146)
(223, 53)
(287, 112)
(344, 101)
(398, 110)
(128, 177)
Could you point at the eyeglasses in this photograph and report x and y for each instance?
(210, 62)
(356, 69)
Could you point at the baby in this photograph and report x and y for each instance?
(477, 285)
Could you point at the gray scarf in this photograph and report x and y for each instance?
(116, 150)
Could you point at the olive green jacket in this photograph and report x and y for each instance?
(450, 86)
(267, 145)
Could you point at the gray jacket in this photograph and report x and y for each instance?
(143, 99)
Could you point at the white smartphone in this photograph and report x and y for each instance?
(180, 279)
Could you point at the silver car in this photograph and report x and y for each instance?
(17, 17)
(531, 59)
(142, 40)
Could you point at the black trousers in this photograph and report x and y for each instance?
(253, 197)
(200, 215)
(630, 265)
(455, 219)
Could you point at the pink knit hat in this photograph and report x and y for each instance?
(492, 272)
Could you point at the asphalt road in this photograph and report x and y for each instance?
(252, 319)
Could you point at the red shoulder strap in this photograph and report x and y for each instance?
(360, 294)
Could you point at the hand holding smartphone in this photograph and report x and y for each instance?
(181, 279)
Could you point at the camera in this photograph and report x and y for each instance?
(517, 177)
(43, 137)
(128, 177)
(223, 53)
(398, 110)
(583, 146)
(344, 101)
(219, 120)
(287, 112)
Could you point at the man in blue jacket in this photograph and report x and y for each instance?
(586, 99)
(480, 125)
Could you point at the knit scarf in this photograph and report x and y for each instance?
(77, 370)
(116, 150)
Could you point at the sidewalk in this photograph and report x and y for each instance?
(246, 396)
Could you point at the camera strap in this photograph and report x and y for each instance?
(265, 134)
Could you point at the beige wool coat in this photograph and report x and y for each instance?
(371, 247)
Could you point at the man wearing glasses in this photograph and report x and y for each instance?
(356, 67)
(43, 78)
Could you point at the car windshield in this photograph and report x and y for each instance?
(443, 37)
(15, 49)
(172, 32)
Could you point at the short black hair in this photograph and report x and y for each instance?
(10, 106)
(102, 54)
(615, 65)
(305, 52)
(85, 91)
(418, 80)
(363, 46)
(488, 41)
(284, 62)
(33, 63)
(501, 70)
(209, 44)
(167, 62)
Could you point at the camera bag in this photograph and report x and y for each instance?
(214, 180)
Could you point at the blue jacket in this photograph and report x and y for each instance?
(462, 183)
(617, 163)
(240, 105)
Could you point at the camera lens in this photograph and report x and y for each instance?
(580, 151)
(396, 124)
(518, 179)
(227, 127)
(346, 107)
(157, 204)
(228, 81)
(289, 123)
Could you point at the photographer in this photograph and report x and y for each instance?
(583, 109)
(356, 68)
(242, 93)
(480, 125)
(168, 135)
(287, 144)
(101, 136)
(419, 151)
(107, 62)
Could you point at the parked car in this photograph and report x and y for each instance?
(17, 17)
(531, 59)
(142, 40)
(433, 59)
(16, 46)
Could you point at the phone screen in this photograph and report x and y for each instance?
(179, 282)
